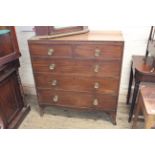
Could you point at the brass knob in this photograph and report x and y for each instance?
(55, 98)
(152, 70)
(95, 102)
(52, 66)
(96, 85)
(96, 69)
(97, 52)
(50, 51)
(54, 82)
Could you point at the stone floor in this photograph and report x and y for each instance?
(60, 118)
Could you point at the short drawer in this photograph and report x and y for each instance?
(106, 51)
(78, 67)
(77, 83)
(50, 50)
(77, 100)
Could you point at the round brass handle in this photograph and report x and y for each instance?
(55, 98)
(95, 102)
(54, 82)
(50, 52)
(152, 70)
(96, 69)
(97, 52)
(96, 85)
(52, 66)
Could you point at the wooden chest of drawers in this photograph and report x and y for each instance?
(81, 71)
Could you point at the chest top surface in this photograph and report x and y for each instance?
(90, 36)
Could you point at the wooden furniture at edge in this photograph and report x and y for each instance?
(13, 109)
(146, 105)
(80, 71)
(141, 71)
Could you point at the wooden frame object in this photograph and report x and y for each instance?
(9, 49)
(55, 31)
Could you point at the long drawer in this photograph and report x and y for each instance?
(77, 100)
(77, 67)
(77, 83)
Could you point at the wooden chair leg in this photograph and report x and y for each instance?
(130, 85)
(136, 88)
(137, 111)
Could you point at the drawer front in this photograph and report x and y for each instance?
(77, 83)
(77, 100)
(78, 67)
(106, 52)
(51, 50)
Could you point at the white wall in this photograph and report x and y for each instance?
(25, 69)
(135, 44)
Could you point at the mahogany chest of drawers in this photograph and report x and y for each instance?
(80, 71)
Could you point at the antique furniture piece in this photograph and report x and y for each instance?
(81, 71)
(9, 50)
(13, 109)
(146, 105)
(58, 31)
(142, 70)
